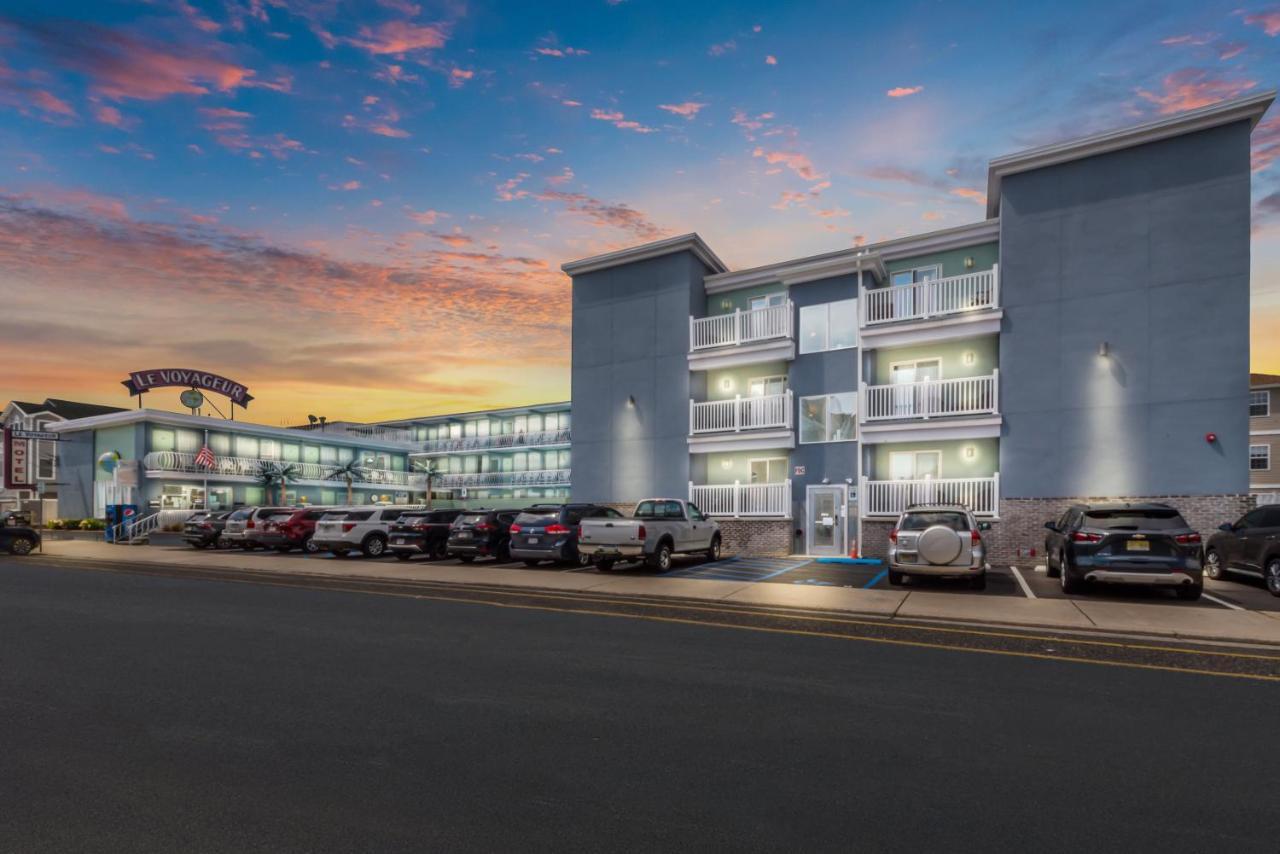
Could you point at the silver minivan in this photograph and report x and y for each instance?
(941, 540)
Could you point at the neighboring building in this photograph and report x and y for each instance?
(26, 415)
(1037, 357)
(1264, 437)
(515, 455)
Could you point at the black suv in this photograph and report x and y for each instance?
(1125, 543)
(1250, 546)
(203, 529)
(19, 539)
(481, 533)
(550, 532)
(421, 532)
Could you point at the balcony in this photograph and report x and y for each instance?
(770, 411)
(756, 335)
(744, 501)
(932, 399)
(162, 463)
(502, 441)
(954, 307)
(488, 479)
(891, 497)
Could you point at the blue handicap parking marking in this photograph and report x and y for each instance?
(739, 569)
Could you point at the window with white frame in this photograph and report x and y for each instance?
(1259, 403)
(1259, 458)
(829, 326)
(768, 469)
(762, 386)
(828, 417)
(919, 274)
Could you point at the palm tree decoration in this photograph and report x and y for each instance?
(272, 474)
(350, 471)
(430, 470)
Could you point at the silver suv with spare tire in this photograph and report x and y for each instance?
(939, 540)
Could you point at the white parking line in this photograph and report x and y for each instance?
(1232, 605)
(1022, 582)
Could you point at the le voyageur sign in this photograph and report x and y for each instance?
(140, 382)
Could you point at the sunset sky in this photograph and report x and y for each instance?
(358, 209)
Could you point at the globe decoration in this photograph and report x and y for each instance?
(109, 461)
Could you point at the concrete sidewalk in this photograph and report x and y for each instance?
(1117, 617)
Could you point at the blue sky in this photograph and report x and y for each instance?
(324, 199)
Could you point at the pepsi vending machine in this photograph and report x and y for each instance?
(118, 513)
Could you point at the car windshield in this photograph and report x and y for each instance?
(540, 517)
(197, 517)
(1131, 519)
(279, 517)
(471, 518)
(920, 521)
(335, 516)
(241, 515)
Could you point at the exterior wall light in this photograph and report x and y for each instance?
(970, 452)
(726, 304)
(969, 357)
(968, 262)
(726, 463)
(726, 384)
(1104, 349)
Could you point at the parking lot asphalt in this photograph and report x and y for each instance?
(1028, 581)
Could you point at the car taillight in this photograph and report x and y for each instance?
(348, 527)
(1187, 539)
(641, 533)
(893, 536)
(1086, 537)
(205, 526)
(484, 526)
(515, 529)
(555, 529)
(974, 538)
(249, 524)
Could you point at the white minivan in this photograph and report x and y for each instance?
(363, 529)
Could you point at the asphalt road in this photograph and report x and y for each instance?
(145, 713)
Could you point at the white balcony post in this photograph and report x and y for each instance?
(737, 497)
(995, 494)
(693, 342)
(691, 492)
(737, 326)
(691, 421)
(737, 413)
(786, 416)
(995, 390)
(995, 285)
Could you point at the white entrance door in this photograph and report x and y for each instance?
(825, 508)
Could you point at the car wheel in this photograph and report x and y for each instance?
(896, 578)
(309, 547)
(374, 547)
(531, 562)
(1190, 592)
(503, 554)
(439, 551)
(466, 558)
(978, 582)
(605, 565)
(21, 546)
(661, 559)
(713, 553)
(1273, 576)
(1069, 582)
(1213, 565)
(581, 560)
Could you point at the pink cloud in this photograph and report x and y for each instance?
(1230, 50)
(688, 109)
(1195, 39)
(51, 103)
(904, 91)
(459, 76)
(565, 176)
(722, 48)
(971, 194)
(1190, 88)
(427, 217)
(605, 214)
(771, 60)
(1268, 20)
(397, 37)
(108, 116)
(388, 130)
(346, 186)
(561, 51)
(510, 189)
(796, 162)
(1266, 143)
(571, 103)
(620, 121)
(606, 115)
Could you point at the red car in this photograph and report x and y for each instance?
(291, 529)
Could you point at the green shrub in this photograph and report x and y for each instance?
(93, 524)
(53, 524)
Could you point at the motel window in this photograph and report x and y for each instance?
(311, 453)
(252, 495)
(830, 326)
(564, 460)
(828, 418)
(471, 465)
(346, 455)
(247, 447)
(522, 424)
(1260, 458)
(1259, 403)
(535, 423)
(535, 461)
(469, 430)
(269, 449)
(520, 461)
(220, 444)
(162, 439)
(328, 454)
(455, 431)
(187, 441)
(290, 452)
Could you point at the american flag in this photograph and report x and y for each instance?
(205, 457)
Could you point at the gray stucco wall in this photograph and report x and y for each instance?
(1145, 249)
(631, 339)
(76, 472)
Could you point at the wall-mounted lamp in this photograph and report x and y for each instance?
(968, 262)
(1104, 349)
(726, 304)
(726, 384)
(631, 401)
(826, 480)
(968, 357)
(970, 452)
(726, 463)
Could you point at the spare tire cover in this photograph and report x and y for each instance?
(939, 545)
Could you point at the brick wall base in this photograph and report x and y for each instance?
(756, 537)
(1017, 538)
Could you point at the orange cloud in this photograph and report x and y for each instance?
(605, 214)
(459, 76)
(427, 217)
(687, 109)
(1190, 88)
(796, 162)
(904, 91)
(620, 121)
(346, 186)
(971, 194)
(1266, 143)
(388, 130)
(397, 37)
(1268, 20)
(722, 48)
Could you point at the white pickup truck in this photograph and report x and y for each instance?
(659, 528)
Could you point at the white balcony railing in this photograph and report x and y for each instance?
(181, 461)
(741, 413)
(741, 327)
(932, 398)
(542, 477)
(531, 439)
(891, 497)
(936, 298)
(738, 500)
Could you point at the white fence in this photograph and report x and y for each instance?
(531, 439)
(741, 413)
(738, 500)
(932, 398)
(935, 298)
(891, 497)
(741, 327)
(181, 461)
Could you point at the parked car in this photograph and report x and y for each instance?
(19, 539)
(481, 533)
(363, 529)
(1250, 546)
(658, 529)
(550, 532)
(204, 529)
(939, 540)
(235, 532)
(1126, 544)
(291, 529)
(421, 532)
